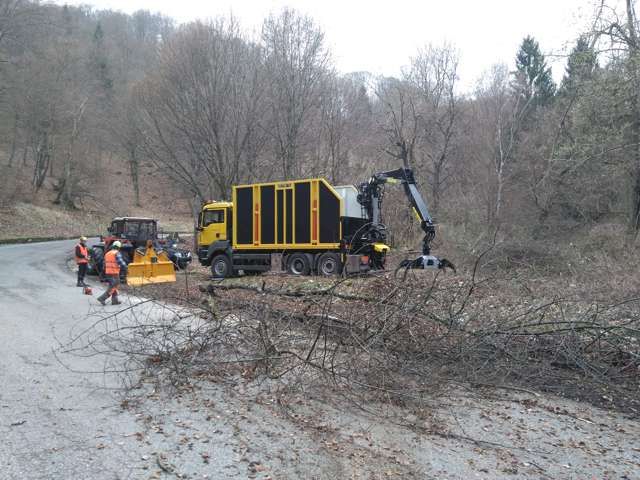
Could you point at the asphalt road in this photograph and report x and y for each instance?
(54, 422)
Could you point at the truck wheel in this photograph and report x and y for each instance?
(221, 266)
(182, 265)
(299, 264)
(329, 264)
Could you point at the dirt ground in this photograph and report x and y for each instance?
(237, 428)
(29, 214)
(37, 222)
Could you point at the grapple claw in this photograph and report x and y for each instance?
(425, 262)
(444, 264)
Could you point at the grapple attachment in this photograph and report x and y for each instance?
(150, 266)
(426, 262)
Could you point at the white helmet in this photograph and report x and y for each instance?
(116, 244)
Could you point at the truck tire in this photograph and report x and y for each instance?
(182, 265)
(329, 264)
(299, 264)
(221, 266)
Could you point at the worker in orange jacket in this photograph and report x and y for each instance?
(113, 264)
(82, 260)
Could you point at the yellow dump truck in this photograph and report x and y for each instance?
(305, 226)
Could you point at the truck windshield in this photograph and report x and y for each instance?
(212, 216)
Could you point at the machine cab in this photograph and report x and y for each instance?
(136, 230)
(214, 223)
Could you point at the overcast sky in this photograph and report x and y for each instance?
(381, 36)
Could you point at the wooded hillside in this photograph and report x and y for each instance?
(102, 111)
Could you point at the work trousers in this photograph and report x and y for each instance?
(82, 271)
(113, 281)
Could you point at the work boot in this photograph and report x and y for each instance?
(114, 299)
(102, 298)
(80, 284)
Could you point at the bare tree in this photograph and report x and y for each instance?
(126, 134)
(39, 102)
(68, 184)
(15, 17)
(500, 116)
(297, 63)
(345, 111)
(433, 72)
(201, 109)
(400, 118)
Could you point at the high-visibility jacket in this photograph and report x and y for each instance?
(82, 249)
(111, 266)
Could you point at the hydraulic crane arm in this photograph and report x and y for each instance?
(372, 193)
(370, 197)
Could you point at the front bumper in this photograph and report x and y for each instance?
(203, 255)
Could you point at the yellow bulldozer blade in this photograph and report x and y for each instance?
(149, 266)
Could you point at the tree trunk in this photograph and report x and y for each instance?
(67, 186)
(135, 173)
(14, 140)
(67, 194)
(498, 206)
(500, 163)
(435, 201)
(42, 159)
(634, 67)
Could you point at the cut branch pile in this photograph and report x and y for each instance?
(396, 338)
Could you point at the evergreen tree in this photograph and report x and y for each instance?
(99, 61)
(581, 64)
(533, 77)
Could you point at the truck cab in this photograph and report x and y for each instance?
(214, 228)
